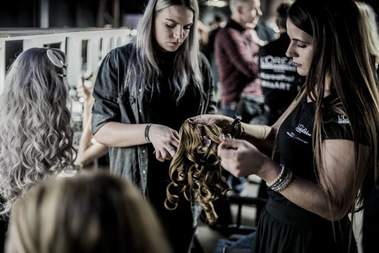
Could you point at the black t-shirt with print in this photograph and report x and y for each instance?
(295, 138)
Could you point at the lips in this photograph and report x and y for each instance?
(297, 65)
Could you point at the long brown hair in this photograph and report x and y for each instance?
(342, 56)
(196, 170)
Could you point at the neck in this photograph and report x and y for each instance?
(236, 19)
(327, 86)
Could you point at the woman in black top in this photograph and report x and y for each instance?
(327, 140)
(143, 93)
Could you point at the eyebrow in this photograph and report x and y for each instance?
(302, 41)
(168, 19)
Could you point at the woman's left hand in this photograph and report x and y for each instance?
(165, 141)
(240, 157)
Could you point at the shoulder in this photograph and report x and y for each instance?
(265, 32)
(265, 49)
(205, 67)
(204, 63)
(336, 123)
(226, 32)
(276, 47)
(206, 71)
(121, 52)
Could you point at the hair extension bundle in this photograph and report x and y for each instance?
(195, 170)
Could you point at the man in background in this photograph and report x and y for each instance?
(236, 47)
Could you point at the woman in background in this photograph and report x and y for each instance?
(92, 211)
(35, 131)
(370, 31)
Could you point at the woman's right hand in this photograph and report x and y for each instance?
(241, 158)
(224, 122)
(165, 141)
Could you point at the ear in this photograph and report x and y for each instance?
(240, 9)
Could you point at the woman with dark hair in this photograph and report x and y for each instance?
(144, 91)
(327, 158)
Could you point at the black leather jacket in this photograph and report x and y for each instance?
(115, 101)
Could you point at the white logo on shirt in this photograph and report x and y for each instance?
(296, 137)
(302, 129)
(342, 119)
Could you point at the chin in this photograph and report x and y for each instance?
(171, 49)
(302, 72)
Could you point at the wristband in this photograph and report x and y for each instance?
(147, 128)
(236, 125)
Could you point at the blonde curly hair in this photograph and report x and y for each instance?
(196, 171)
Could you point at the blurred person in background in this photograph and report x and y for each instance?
(370, 30)
(280, 80)
(92, 211)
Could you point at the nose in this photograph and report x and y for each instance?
(290, 50)
(259, 12)
(179, 33)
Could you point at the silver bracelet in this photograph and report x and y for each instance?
(147, 128)
(282, 181)
(286, 181)
(280, 177)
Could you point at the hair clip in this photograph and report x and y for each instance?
(56, 61)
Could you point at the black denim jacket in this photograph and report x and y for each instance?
(115, 101)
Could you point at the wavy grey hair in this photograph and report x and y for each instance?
(35, 133)
(186, 64)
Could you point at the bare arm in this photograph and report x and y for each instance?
(164, 139)
(261, 136)
(88, 151)
(338, 177)
(241, 159)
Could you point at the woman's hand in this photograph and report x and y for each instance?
(241, 158)
(165, 141)
(84, 92)
(224, 122)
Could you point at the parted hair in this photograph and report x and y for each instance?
(196, 171)
(145, 69)
(341, 54)
(92, 211)
(35, 132)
